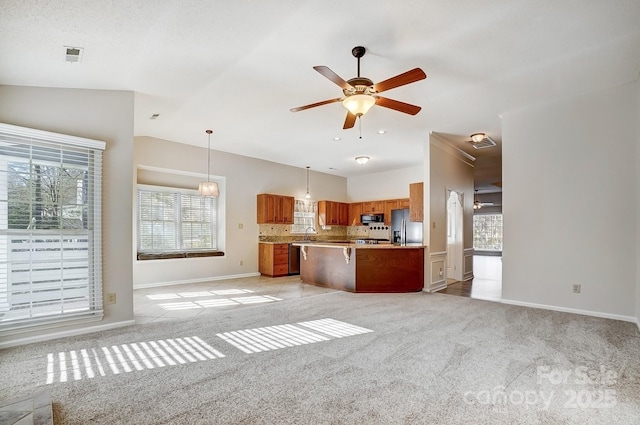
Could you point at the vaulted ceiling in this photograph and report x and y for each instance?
(237, 67)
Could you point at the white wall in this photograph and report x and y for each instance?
(243, 178)
(575, 159)
(100, 115)
(387, 185)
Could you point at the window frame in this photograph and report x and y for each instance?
(177, 251)
(65, 145)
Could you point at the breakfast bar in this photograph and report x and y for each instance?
(361, 267)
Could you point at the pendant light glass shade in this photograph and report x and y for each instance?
(358, 104)
(209, 188)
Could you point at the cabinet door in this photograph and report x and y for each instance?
(355, 210)
(343, 214)
(416, 202)
(391, 204)
(266, 208)
(403, 203)
(286, 209)
(373, 207)
(334, 207)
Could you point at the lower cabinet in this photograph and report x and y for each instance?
(273, 259)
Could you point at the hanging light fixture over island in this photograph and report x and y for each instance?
(209, 188)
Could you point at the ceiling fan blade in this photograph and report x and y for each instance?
(350, 121)
(313, 105)
(408, 77)
(397, 105)
(333, 77)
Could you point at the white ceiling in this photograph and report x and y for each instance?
(239, 66)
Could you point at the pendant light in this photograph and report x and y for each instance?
(308, 195)
(209, 188)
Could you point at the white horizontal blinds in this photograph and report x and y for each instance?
(50, 227)
(172, 220)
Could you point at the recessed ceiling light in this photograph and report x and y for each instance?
(382, 131)
(337, 139)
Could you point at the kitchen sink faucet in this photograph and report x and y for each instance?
(306, 233)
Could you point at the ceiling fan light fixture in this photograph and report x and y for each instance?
(362, 159)
(359, 104)
(478, 137)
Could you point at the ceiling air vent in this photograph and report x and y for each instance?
(73, 54)
(487, 142)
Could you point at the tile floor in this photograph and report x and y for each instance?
(189, 300)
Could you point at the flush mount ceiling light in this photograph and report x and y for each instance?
(362, 159)
(478, 137)
(209, 188)
(308, 195)
(382, 131)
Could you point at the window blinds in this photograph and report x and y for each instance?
(50, 227)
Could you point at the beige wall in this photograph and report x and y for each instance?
(576, 159)
(100, 115)
(448, 170)
(387, 185)
(241, 179)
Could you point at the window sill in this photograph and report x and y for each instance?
(169, 255)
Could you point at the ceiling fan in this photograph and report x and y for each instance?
(477, 204)
(360, 93)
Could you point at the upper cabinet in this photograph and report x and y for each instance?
(355, 211)
(275, 209)
(393, 204)
(416, 202)
(373, 207)
(333, 213)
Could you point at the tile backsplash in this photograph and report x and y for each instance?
(282, 232)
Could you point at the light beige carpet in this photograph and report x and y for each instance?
(380, 359)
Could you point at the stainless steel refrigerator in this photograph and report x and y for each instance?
(404, 231)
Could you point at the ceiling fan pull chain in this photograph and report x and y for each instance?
(360, 125)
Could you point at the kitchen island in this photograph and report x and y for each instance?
(362, 267)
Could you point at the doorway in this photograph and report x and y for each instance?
(455, 250)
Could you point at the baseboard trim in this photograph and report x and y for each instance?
(573, 310)
(200, 280)
(64, 334)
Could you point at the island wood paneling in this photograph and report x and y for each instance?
(327, 267)
(389, 270)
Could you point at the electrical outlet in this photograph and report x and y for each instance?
(242, 262)
(111, 298)
(576, 288)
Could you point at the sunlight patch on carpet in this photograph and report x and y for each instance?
(194, 294)
(283, 336)
(190, 305)
(125, 358)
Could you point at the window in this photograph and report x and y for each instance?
(175, 220)
(487, 232)
(50, 221)
(304, 216)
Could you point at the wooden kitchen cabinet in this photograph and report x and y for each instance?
(373, 207)
(333, 213)
(355, 211)
(276, 209)
(273, 259)
(416, 202)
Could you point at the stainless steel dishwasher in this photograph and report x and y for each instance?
(294, 259)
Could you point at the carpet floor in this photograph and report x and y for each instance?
(342, 358)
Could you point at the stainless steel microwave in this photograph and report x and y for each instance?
(367, 219)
